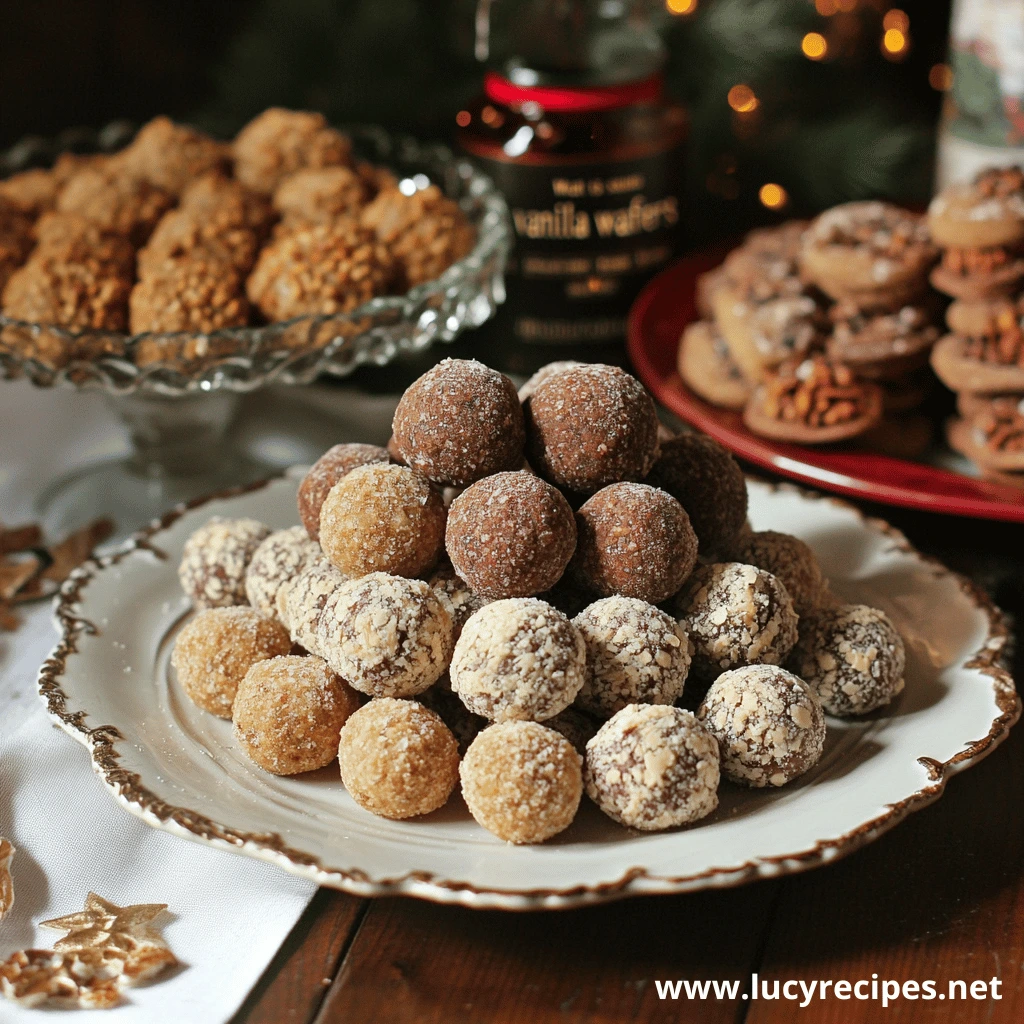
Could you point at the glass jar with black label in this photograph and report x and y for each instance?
(577, 132)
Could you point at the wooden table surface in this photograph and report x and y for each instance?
(939, 897)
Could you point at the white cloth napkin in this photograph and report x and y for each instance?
(228, 914)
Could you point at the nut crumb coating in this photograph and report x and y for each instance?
(279, 142)
(171, 156)
(320, 270)
(193, 293)
(426, 232)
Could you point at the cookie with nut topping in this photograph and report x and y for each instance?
(881, 346)
(814, 401)
(763, 309)
(985, 213)
(872, 254)
(991, 434)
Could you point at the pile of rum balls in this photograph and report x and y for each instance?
(518, 594)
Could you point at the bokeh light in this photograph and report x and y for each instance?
(681, 6)
(742, 99)
(462, 118)
(940, 77)
(826, 7)
(773, 196)
(897, 19)
(814, 45)
(894, 43)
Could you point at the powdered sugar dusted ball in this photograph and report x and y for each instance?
(522, 781)
(289, 712)
(652, 767)
(708, 482)
(790, 560)
(398, 759)
(636, 654)
(382, 518)
(736, 615)
(518, 659)
(634, 540)
(459, 422)
(853, 657)
(214, 560)
(301, 600)
(768, 722)
(335, 463)
(589, 426)
(510, 535)
(279, 558)
(547, 370)
(455, 594)
(576, 726)
(215, 650)
(385, 635)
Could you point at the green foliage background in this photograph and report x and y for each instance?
(851, 127)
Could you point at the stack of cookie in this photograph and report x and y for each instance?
(980, 226)
(817, 331)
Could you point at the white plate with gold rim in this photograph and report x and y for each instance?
(108, 684)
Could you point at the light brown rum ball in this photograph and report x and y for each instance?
(652, 767)
(334, 464)
(382, 518)
(387, 636)
(398, 759)
(213, 563)
(289, 712)
(522, 781)
(281, 557)
(518, 659)
(459, 422)
(215, 650)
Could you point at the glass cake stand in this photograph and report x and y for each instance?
(177, 394)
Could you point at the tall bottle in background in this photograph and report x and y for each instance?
(574, 126)
(983, 116)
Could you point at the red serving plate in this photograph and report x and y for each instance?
(657, 320)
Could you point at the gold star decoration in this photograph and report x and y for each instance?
(105, 924)
(106, 948)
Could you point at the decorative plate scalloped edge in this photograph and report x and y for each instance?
(129, 789)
